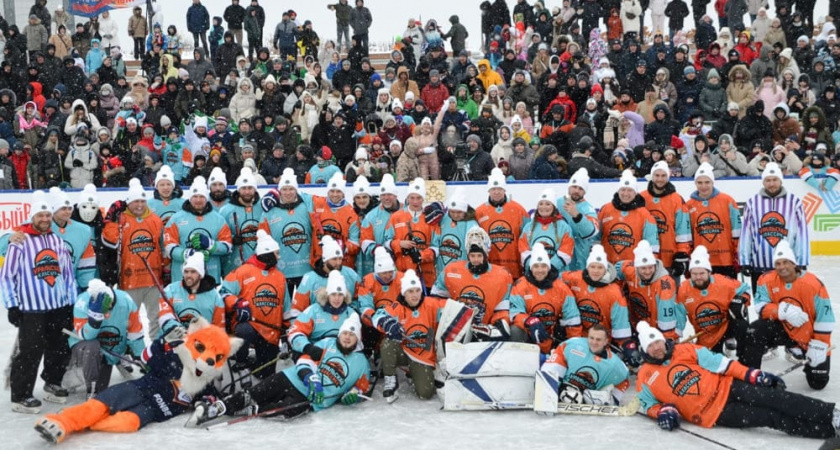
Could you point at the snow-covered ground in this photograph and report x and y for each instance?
(411, 423)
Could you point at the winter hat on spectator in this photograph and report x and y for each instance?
(196, 262)
(199, 187)
(362, 186)
(39, 204)
(165, 122)
(538, 256)
(361, 153)
(663, 166)
(410, 281)
(382, 261)
(418, 186)
(426, 121)
(200, 122)
(783, 251)
(336, 182)
(265, 243)
(772, 169)
(474, 138)
(627, 180)
(458, 202)
(387, 185)
(580, 179)
(135, 191)
(325, 153)
(689, 69)
(353, 325)
(165, 173)
(4, 144)
(396, 103)
(648, 335)
(597, 255)
(246, 178)
(330, 248)
(705, 170)
(496, 179)
(217, 175)
(59, 199)
(288, 178)
(700, 259)
(336, 283)
(643, 254)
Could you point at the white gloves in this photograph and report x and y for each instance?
(817, 352)
(429, 150)
(597, 397)
(792, 314)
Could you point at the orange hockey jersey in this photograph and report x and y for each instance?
(504, 224)
(671, 224)
(808, 293)
(621, 231)
(406, 226)
(342, 224)
(708, 310)
(716, 224)
(652, 302)
(374, 295)
(266, 293)
(604, 305)
(488, 294)
(138, 238)
(420, 324)
(555, 307)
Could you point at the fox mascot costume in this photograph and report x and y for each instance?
(182, 365)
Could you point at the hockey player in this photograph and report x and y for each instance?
(363, 203)
(86, 211)
(136, 233)
(482, 286)
(710, 390)
(795, 311)
(588, 370)
(168, 195)
(504, 220)
(332, 215)
(379, 288)
(625, 221)
(218, 194)
(599, 300)
(542, 308)
(38, 288)
(193, 296)
(197, 229)
(321, 319)
(376, 221)
(450, 236)
(409, 234)
(651, 292)
(316, 280)
(715, 222)
(286, 213)
(255, 297)
(105, 319)
(243, 216)
(415, 316)
(310, 385)
(549, 228)
(668, 210)
(714, 304)
(78, 238)
(581, 217)
(770, 216)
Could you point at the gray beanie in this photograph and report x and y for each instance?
(474, 138)
(4, 144)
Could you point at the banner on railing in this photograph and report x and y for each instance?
(90, 8)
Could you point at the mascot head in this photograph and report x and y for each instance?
(203, 354)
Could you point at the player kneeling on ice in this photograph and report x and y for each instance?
(182, 365)
(107, 321)
(687, 380)
(341, 373)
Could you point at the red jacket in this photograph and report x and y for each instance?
(21, 163)
(434, 96)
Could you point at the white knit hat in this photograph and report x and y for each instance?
(663, 166)
(700, 259)
(246, 178)
(336, 182)
(783, 251)
(217, 175)
(135, 191)
(59, 199)
(165, 173)
(199, 187)
(336, 284)
(265, 243)
(458, 201)
(382, 261)
(396, 103)
(410, 95)
(538, 256)
(330, 248)
(705, 170)
(580, 179)
(627, 180)
(772, 169)
(548, 195)
(410, 281)
(643, 254)
(648, 335)
(418, 186)
(200, 122)
(387, 185)
(39, 204)
(597, 255)
(496, 179)
(194, 261)
(288, 178)
(361, 153)
(362, 186)
(354, 325)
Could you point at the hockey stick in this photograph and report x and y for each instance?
(583, 409)
(691, 338)
(158, 285)
(272, 411)
(105, 351)
(798, 365)
(698, 435)
(238, 233)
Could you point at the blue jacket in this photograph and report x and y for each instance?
(198, 19)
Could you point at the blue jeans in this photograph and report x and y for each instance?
(342, 31)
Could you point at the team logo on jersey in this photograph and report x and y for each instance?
(620, 237)
(500, 234)
(109, 337)
(590, 312)
(638, 307)
(46, 267)
(451, 249)
(187, 315)
(545, 312)
(333, 228)
(585, 378)
(792, 301)
(473, 297)
(419, 335)
(334, 372)
(772, 228)
(708, 315)
(661, 221)
(709, 226)
(141, 244)
(684, 380)
(294, 236)
(248, 230)
(265, 298)
(418, 238)
(165, 216)
(69, 248)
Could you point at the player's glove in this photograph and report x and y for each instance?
(314, 352)
(758, 377)
(433, 213)
(15, 316)
(817, 352)
(680, 264)
(499, 331)
(114, 212)
(201, 242)
(738, 308)
(537, 329)
(792, 314)
(237, 239)
(351, 397)
(668, 417)
(99, 305)
(270, 200)
(175, 336)
(242, 309)
(316, 389)
(392, 328)
(631, 353)
(569, 393)
(747, 271)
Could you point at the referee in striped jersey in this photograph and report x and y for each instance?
(38, 288)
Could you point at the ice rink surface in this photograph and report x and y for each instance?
(413, 424)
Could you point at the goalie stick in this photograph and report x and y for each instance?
(268, 412)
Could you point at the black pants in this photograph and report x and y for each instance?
(765, 334)
(273, 392)
(370, 338)
(363, 40)
(203, 37)
(39, 335)
(750, 406)
(253, 46)
(734, 329)
(139, 48)
(729, 271)
(265, 350)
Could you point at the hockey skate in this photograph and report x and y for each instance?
(206, 409)
(50, 430)
(29, 406)
(729, 348)
(54, 393)
(389, 391)
(794, 355)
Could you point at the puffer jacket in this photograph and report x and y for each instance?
(73, 123)
(521, 163)
(243, 105)
(785, 127)
(408, 167)
(81, 161)
(742, 93)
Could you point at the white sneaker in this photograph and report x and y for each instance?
(390, 390)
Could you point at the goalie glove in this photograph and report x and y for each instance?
(499, 331)
(569, 393)
(599, 396)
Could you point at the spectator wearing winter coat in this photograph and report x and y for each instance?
(407, 166)
(702, 154)
(199, 66)
(787, 63)
(770, 93)
(243, 105)
(234, 15)
(521, 90)
(647, 107)
(783, 125)
(706, 33)
(735, 10)
(36, 36)
(662, 128)
(712, 96)
(758, 68)
(631, 11)
(740, 89)
(521, 159)
(402, 85)
(787, 160)
(545, 165)
(665, 89)
(676, 11)
(361, 19)
(227, 54)
(457, 35)
(81, 161)
(753, 126)
(198, 22)
(735, 161)
(582, 158)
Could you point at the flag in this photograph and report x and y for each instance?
(90, 8)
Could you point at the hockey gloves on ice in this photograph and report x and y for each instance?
(15, 316)
(99, 305)
(392, 328)
(817, 352)
(792, 314)
(569, 393)
(316, 389)
(765, 379)
(668, 417)
(537, 329)
(242, 309)
(351, 397)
